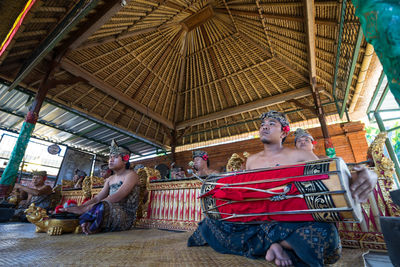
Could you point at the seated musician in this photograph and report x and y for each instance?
(177, 173)
(38, 194)
(105, 171)
(285, 243)
(114, 208)
(304, 141)
(362, 185)
(18, 198)
(201, 163)
(78, 178)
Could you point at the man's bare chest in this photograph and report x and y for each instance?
(272, 161)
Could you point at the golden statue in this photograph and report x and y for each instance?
(39, 217)
(145, 175)
(236, 162)
(142, 208)
(152, 174)
(97, 181)
(67, 184)
(384, 168)
(87, 187)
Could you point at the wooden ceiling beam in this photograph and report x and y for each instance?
(262, 103)
(115, 38)
(26, 43)
(145, 14)
(231, 17)
(197, 19)
(44, 20)
(130, 32)
(109, 90)
(52, 9)
(255, 43)
(94, 23)
(289, 4)
(309, 10)
(181, 79)
(9, 68)
(260, 11)
(310, 26)
(274, 16)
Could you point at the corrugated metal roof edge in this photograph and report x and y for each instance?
(86, 116)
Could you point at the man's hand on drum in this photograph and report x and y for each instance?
(363, 182)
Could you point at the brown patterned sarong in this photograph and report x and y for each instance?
(120, 216)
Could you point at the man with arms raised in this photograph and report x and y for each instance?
(114, 208)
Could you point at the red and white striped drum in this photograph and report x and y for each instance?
(311, 191)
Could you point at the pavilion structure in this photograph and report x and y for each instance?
(172, 73)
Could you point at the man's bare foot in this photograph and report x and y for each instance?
(86, 229)
(276, 252)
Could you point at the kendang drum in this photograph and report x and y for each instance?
(312, 191)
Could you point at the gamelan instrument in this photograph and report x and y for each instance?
(312, 191)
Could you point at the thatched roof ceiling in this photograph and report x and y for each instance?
(206, 68)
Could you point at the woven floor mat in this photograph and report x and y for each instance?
(19, 245)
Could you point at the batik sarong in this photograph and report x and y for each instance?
(94, 216)
(113, 216)
(314, 243)
(42, 201)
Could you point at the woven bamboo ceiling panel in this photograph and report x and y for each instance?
(178, 72)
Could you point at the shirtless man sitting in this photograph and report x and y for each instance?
(304, 141)
(114, 208)
(284, 243)
(273, 131)
(39, 194)
(201, 163)
(362, 183)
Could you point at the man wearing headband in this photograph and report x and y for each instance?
(78, 178)
(363, 181)
(105, 171)
(114, 208)
(284, 243)
(177, 173)
(304, 141)
(201, 163)
(38, 194)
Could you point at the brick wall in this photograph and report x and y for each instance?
(347, 138)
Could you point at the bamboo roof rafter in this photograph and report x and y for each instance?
(228, 76)
(273, 100)
(264, 26)
(205, 75)
(79, 72)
